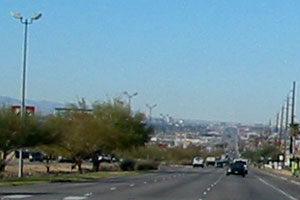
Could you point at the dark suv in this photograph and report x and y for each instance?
(237, 169)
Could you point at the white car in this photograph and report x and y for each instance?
(198, 162)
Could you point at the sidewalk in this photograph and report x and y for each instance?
(283, 172)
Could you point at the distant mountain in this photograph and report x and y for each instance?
(42, 107)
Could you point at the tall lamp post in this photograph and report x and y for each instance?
(26, 22)
(150, 111)
(129, 96)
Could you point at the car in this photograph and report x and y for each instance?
(62, 159)
(25, 153)
(219, 164)
(36, 156)
(198, 162)
(242, 161)
(210, 161)
(236, 169)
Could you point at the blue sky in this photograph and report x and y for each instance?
(230, 60)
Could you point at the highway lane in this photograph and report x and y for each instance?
(256, 185)
(166, 184)
(174, 183)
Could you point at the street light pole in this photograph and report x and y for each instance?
(150, 111)
(129, 96)
(26, 22)
(292, 118)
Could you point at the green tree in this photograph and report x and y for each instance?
(17, 132)
(127, 129)
(110, 126)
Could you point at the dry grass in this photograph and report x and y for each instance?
(37, 169)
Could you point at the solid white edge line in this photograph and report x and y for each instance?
(295, 182)
(276, 188)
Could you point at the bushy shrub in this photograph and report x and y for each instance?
(147, 165)
(127, 165)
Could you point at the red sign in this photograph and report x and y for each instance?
(28, 109)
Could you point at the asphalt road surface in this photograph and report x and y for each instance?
(171, 184)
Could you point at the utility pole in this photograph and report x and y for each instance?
(281, 126)
(129, 96)
(286, 124)
(292, 117)
(277, 123)
(150, 111)
(270, 127)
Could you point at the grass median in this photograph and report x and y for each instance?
(64, 178)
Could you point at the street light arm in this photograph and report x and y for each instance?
(36, 16)
(16, 15)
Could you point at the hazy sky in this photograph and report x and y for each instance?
(199, 59)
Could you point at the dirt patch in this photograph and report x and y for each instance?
(34, 169)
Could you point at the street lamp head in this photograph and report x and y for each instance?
(36, 16)
(17, 15)
(135, 94)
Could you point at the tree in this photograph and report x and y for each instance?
(127, 130)
(265, 153)
(109, 127)
(122, 129)
(17, 132)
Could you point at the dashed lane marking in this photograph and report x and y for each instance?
(277, 189)
(113, 188)
(15, 197)
(75, 198)
(88, 194)
(283, 178)
(132, 185)
(295, 182)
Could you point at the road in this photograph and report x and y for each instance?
(166, 184)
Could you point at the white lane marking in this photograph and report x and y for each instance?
(283, 178)
(16, 197)
(208, 189)
(204, 193)
(74, 198)
(113, 188)
(88, 194)
(145, 182)
(276, 188)
(132, 185)
(295, 182)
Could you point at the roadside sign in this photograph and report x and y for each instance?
(30, 110)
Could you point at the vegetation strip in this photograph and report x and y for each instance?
(63, 178)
